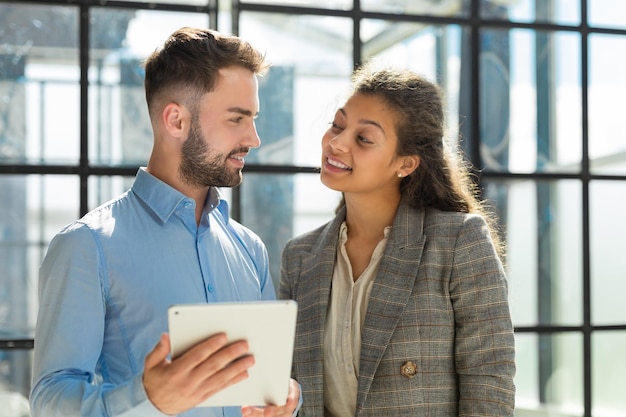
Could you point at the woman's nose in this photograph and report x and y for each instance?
(338, 142)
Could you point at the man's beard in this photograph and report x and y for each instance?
(200, 168)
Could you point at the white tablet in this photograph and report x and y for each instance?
(268, 326)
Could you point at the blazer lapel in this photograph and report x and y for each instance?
(313, 293)
(390, 293)
(317, 268)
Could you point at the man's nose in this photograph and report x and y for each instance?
(252, 138)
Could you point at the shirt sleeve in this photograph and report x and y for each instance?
(484, 342)
(69, 336)
(257, 252)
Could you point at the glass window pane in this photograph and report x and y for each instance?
(530, 101)
(322, 4)
(33, 209)
(120, 130)
(431, 8)
(564, 12)
(181, 2)
(278, 207)
(311, 60)
(313, 203)
(607, 242)
(39, 84)
(542, 225)
(430, 50)
(609, 373)
(607, 13)
(607, 136)
(15, 370)
(549, 377)
(105, 188)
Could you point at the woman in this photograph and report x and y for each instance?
(402, 298)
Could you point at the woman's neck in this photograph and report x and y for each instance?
(368, 217)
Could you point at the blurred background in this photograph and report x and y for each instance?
(534, 95)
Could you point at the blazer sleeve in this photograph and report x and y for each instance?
(484, 342)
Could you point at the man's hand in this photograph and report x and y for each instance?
(287, 410)
(210, 366)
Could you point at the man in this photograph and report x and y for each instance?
(107, 279)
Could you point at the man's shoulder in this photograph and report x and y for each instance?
(107, 211)
(246, 234)
(99, 219)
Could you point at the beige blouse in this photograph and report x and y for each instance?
(342, 334)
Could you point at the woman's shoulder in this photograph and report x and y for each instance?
(317, 238)
(459, 230)
(436, 216)
(437, 222)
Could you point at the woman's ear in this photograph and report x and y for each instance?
(175, 120)
(409, 164)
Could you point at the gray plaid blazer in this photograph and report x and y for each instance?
(439, 300)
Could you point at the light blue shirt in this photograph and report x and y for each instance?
(106, 283)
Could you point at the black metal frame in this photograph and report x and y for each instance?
(474, 23)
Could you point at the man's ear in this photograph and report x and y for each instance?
(409, 164)
(176, 120)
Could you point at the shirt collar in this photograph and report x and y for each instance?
(214, 200)
(163, 199)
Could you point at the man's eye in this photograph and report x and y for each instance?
(237, 119)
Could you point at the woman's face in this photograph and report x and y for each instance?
(359, 148)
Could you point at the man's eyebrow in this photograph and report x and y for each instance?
(366, 121)
(242, 111)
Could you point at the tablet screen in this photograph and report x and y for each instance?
(269, 328)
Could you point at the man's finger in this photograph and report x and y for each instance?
(196, 360)
(159, 353)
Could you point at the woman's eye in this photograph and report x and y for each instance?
(363, 139)
(335, 127)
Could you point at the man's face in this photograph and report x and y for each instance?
(222, 132)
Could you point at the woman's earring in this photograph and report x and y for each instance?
(399, 175)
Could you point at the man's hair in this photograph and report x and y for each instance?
(186, 66)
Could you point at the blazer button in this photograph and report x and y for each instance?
(408, 369)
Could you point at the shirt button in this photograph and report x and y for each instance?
(210, 287)
(187, 204)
